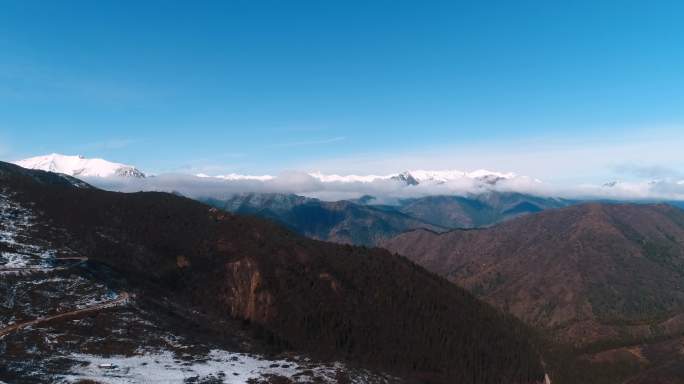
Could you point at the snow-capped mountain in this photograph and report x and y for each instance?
(421, 177)
(79, 166)
(440, 177)
(409, 178)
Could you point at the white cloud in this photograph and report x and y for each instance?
(566, 161)
(386, 189)
(640, 166)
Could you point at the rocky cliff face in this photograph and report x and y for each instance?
(246, 298)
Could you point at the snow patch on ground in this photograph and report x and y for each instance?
(165, 367)
(15, 224)
(21, 248)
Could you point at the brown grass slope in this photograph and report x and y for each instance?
(605, 278)
(336, 301)
(574, 268)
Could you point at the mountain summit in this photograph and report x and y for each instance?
(79, 166)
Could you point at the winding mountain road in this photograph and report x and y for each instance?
(120, 300)
(80, 260)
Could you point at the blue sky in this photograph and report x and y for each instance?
(556, 89)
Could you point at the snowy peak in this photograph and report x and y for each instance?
(79, 166)
(406, 178)
(409, 178)
(417, 177)
(440, 177)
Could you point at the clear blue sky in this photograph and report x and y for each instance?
(262, 86)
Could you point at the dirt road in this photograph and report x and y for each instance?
(20, 270)
(120, 300)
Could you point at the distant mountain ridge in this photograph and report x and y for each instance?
(340, 221)
(481, 177)
(362, 223)
(79, 166)
(476, 210)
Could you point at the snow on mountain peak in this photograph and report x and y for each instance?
(420, 177)
(79, 166)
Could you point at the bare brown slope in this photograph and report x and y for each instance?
(607, 280)
(588, 272)
(332, 300)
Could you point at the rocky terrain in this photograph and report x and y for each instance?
(155, 284)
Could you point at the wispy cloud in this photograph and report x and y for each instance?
(309, 142)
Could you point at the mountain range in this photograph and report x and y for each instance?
(476, 210)
(363, 223)
(417, 177)
(189, 268)
(387, 189)
(85, 167)
(340, 221)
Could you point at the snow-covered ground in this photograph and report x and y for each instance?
(17, 248)
(50, 293)
(219, 365)
(164, 367)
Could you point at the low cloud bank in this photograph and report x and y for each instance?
(385, 189)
